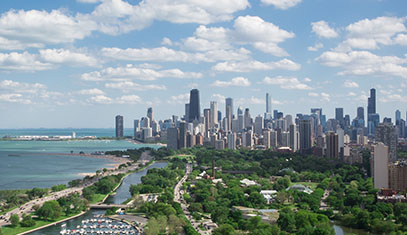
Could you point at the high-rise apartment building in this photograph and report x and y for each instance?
(172, 138)
(182, 142)
(305, 135)
(398, 176)
(387, 134)
(119, 126)
(194, 105)
(332, 145)
(258, 125)
(268, 112)
(380, 166)
(293, 137)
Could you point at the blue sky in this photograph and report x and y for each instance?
(78, 63)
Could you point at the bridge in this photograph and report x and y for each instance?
(107, 206)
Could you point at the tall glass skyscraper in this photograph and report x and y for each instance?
(194, 105)
(119, 126)
(371, 102)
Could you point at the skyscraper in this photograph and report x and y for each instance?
(293, 137)
(305, 136)
(119, 126)
(371, 112)
(398, 117)
(267, 115)
(214, 114)
(332, 145)
(229, 103)
(172, 138)
(150, 115)
(387, 134)
(371, 102)
(182, 143)
(194, 105)
(361, 113)
(380, 166)
(339, 116)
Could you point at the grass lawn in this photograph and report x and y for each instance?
(182, 156)
(38, 223)
(97, 198)
(310, 185)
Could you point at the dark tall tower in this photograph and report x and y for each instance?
(119, 126)
(361, 113)
(305, 136)
(194, 105)
(150, 115)
(371, 102)
(339, 116)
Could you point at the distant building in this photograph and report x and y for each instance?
(387, 133)
(332, 145)
(119, 126)
(305, 136)
(380, 166)
(194, 105)
(172, 138)
(398, 176)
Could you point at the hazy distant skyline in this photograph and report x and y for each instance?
(80, 63)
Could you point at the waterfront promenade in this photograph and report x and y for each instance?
(27, 208)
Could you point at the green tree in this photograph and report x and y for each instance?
(286, 220)
(224, 229)
(27, 221)
(50, 210)
(14, 220)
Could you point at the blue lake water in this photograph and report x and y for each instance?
(29, 164)
(80, 132)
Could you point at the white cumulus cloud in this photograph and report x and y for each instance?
(290, 83)
(282, 4)
(322, 29)
(237, 81)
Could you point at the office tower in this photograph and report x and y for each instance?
(247, 119)
(267, 114)
(341, 139)
(248, 139)
(371, 102)
(172, 138)
(146, 132)
(150, 115)
(235, 125)
(285, 139)
(275, 112)
(339, 116)
(229, 112)
(232, 141)
(361, 113)
(293, 137)
(136, 127)
(397, 116)
(207, 119)
(240, 119)
(346, 121)
(268, 103)
(398, 176)
(259, 125)
(240, 110)
(266, 138)
(145, 122)
(305, 136)
(273, 138)
(229, 103)
(371, 110)
(119, 126)
(214, 114)
(387, 134)
(182, 143)
(194, 105)
(186, 116)
(380, 166)
(332, 145)
(219, 116)
(374, 120)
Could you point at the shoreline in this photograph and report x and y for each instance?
(53, 224)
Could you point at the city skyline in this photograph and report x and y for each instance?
(80, 63)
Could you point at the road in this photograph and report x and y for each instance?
(28, 207)
(178, 197)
